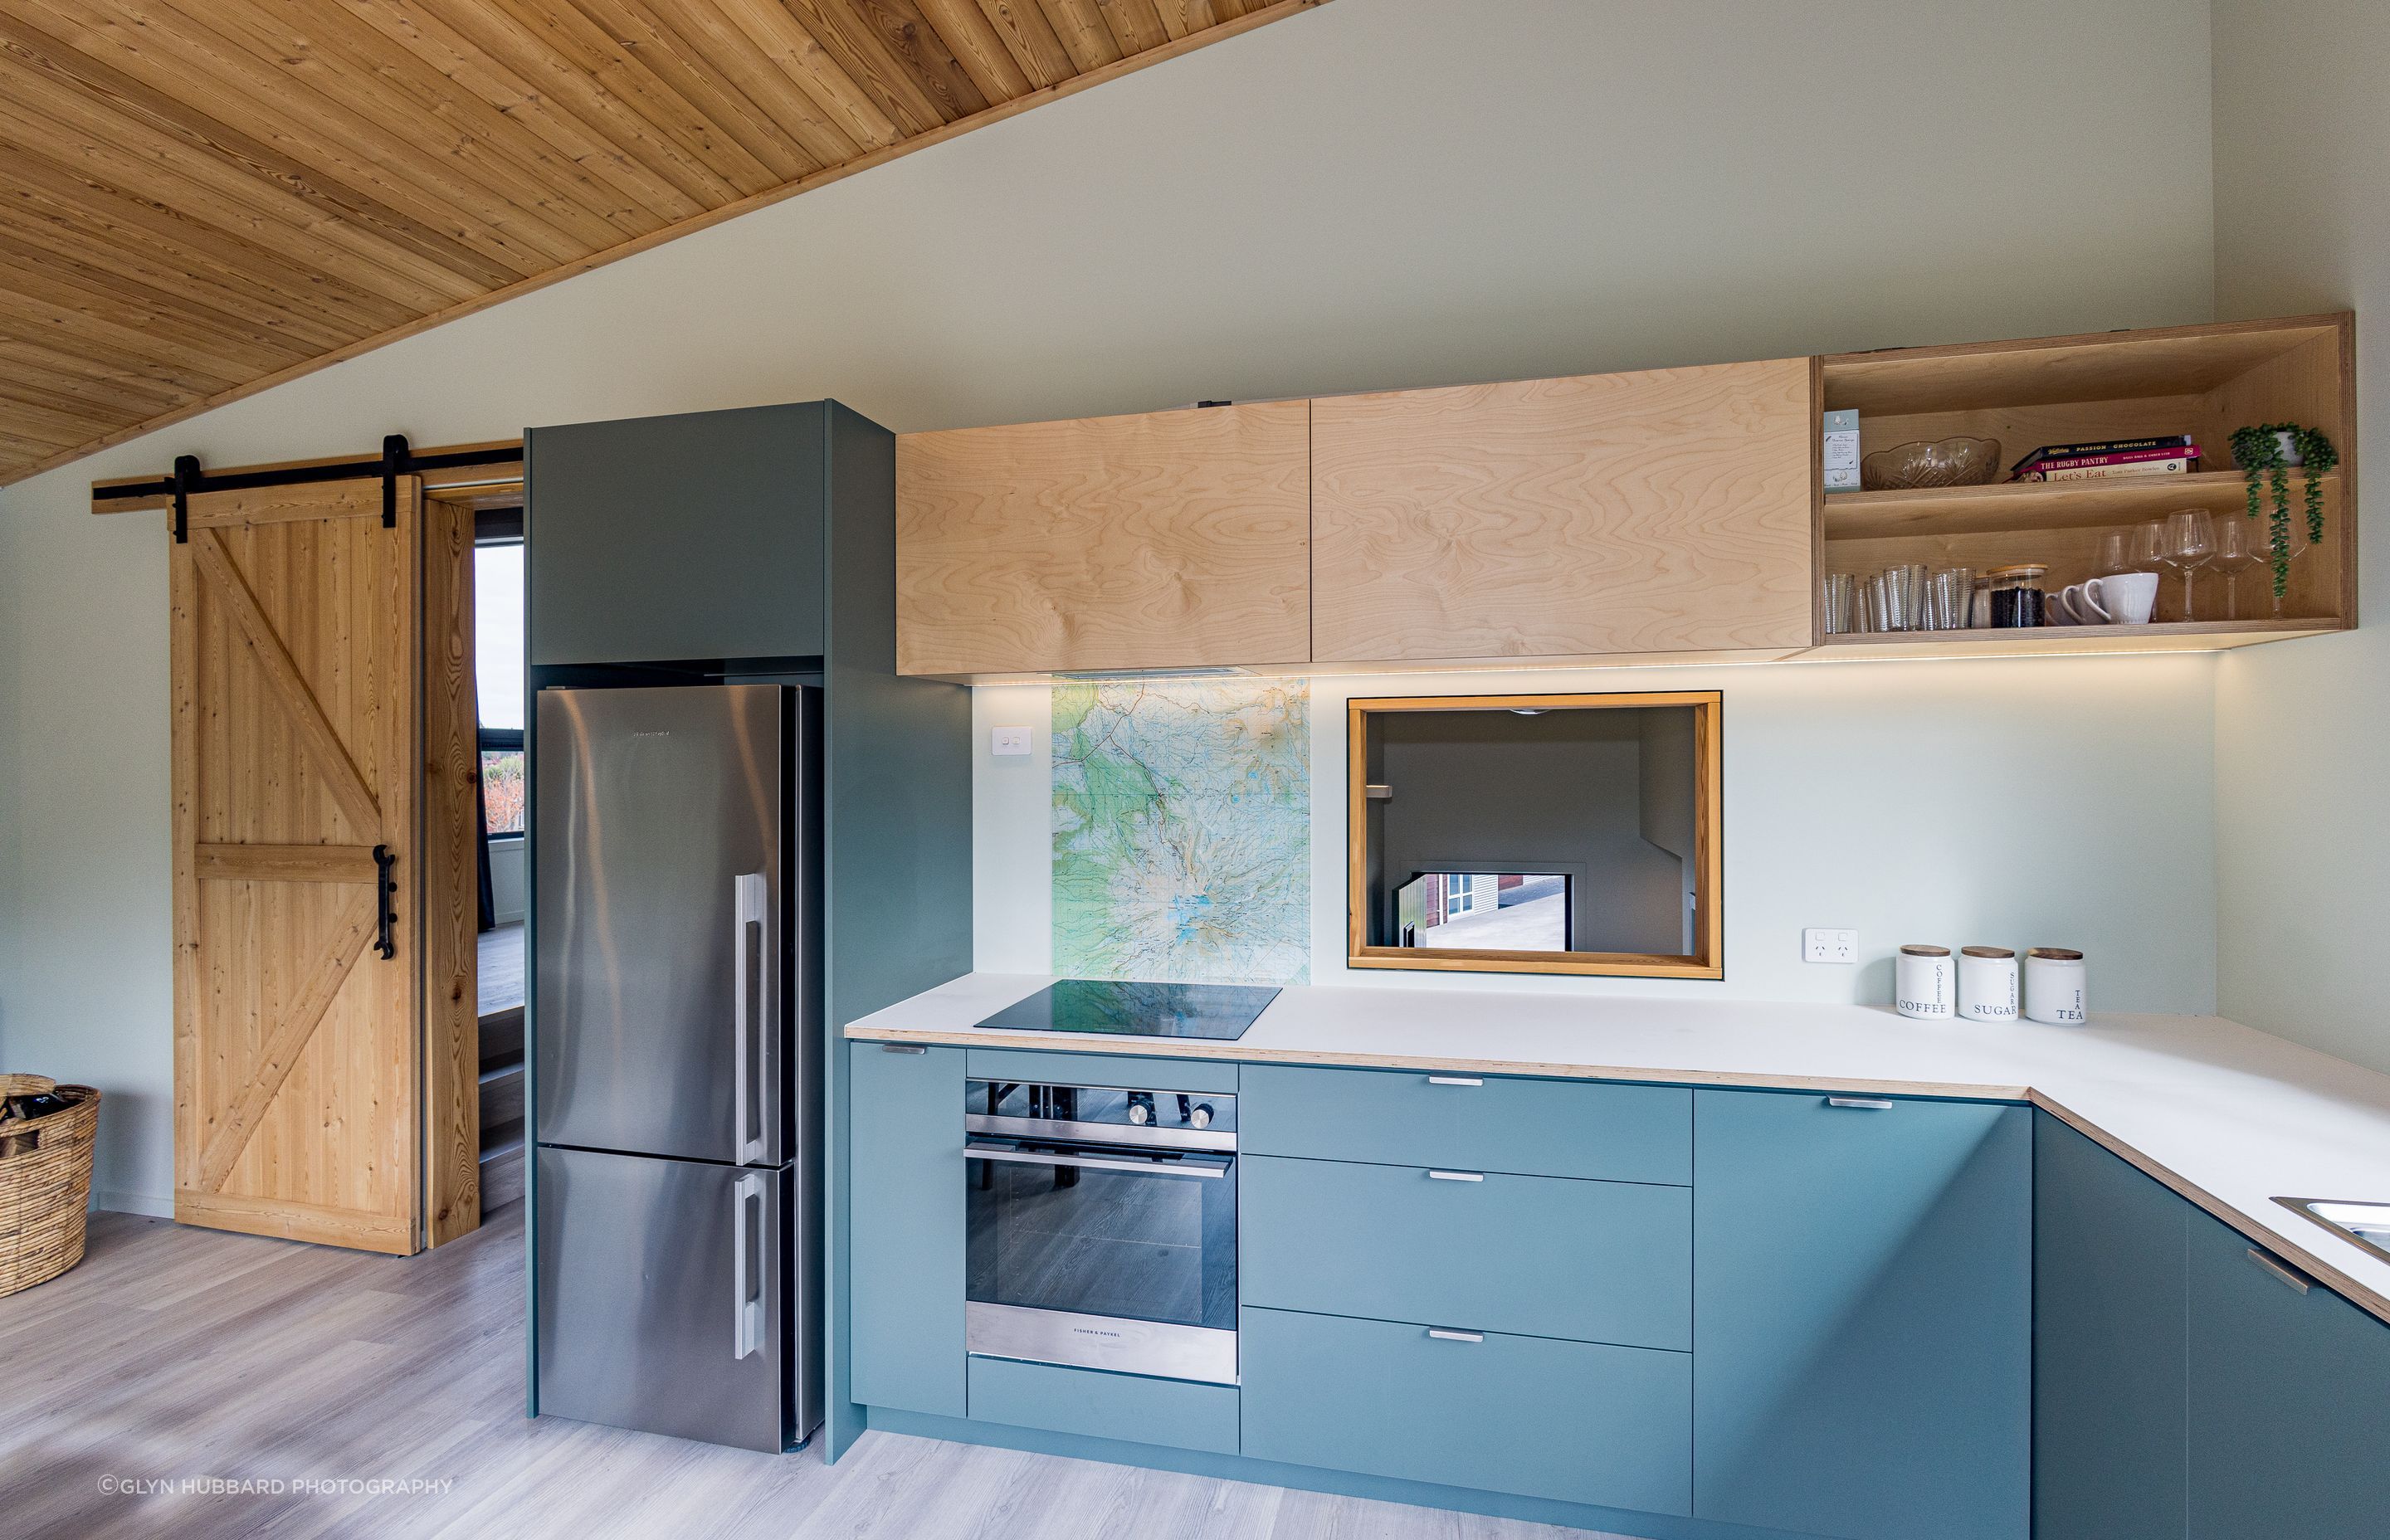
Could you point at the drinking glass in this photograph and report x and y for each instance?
(2189, 539)
(2115, 553)
(2238, 548)
(1842, 595)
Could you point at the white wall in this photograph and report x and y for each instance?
(2303, 729)
(1382, 192)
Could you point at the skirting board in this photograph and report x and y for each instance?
(1537, 1510)
(118, 1200)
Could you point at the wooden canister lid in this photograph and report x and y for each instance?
(1985, 952)
(1920, 949)
(2056, 954)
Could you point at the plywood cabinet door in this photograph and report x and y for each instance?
(1668, 510)
(1168, 540)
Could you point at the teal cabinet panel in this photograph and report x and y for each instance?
(906, 1228)
(1176, 1413)
(697, 537)
(2109, 1348)
(1862, 1303)
(1122, 1072)
(1481, 1123)
(2290, 1401)
(1597, 1262)
(1578, 1422)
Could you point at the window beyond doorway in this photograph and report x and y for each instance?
(498, 670)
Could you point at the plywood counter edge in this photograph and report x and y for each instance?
(2281, 1242)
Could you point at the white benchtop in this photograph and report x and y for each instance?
(2226, 1115)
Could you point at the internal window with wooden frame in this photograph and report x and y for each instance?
(1536, 834)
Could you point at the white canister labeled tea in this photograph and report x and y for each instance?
(1987, 983)
(1921, 984)
(2054, 987)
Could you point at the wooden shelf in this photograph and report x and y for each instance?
(2162, 637)
(2005, 507)
(2159, 362)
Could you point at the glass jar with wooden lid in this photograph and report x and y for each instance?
(2016, 594)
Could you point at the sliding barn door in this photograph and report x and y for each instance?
(296, 755)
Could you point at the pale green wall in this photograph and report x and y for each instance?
(1378, 193)
(2303, 729)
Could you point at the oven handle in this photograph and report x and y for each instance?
(1156, 1165)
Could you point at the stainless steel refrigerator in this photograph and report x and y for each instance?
(675, 1059)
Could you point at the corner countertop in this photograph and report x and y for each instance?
(2226, 1115)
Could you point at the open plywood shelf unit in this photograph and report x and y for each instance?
(2202, 380)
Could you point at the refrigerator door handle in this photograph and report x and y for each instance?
(747, 1309)
(750, 904)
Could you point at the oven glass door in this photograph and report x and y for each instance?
(1109, 1256)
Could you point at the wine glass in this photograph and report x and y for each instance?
(2117, 548)
(2188, 539)
(2237, 549)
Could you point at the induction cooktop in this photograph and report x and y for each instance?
(1136, 1010)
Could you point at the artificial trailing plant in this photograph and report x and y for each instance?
(2258, 452)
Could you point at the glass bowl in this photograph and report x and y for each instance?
(1959, 462)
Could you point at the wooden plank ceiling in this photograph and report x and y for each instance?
(202, 198)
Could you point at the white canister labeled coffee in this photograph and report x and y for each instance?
(2054, 987)
(1921, 982)
(1987, 983)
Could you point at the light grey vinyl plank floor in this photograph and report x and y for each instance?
(175, 1354)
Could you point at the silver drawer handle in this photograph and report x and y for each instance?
(1455, 1080)
(1158, 1165)
(1863, 1104)
(2281, 1271)
(903, 1047)
(1457, 1176)
(1441, 1335)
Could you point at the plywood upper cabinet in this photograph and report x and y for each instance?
(1167, 540)
(1663, 512)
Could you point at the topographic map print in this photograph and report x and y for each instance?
(1182, 831)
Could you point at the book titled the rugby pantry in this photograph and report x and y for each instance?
(2174, 453)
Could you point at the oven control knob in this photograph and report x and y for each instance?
(1139, 1114)
(1202, 1117)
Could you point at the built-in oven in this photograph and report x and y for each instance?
(1102, 1227)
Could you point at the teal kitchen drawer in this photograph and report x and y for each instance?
(1578, 1422)
(1177, 1414)
(1121, 1071)
(1482, 1122)
(1542, 1256)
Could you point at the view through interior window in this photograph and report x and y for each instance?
(1560, 833)
(498, 676)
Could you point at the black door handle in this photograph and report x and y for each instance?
(385, 894)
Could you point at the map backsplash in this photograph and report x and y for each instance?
(1182, 829)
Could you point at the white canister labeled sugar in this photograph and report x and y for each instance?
(2054, 987)
(1921, 982)
(1987, 983)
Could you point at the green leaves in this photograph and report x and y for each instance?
(2258, 452)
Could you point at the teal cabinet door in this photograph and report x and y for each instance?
(2109, 1344)
(1538, 1257)
(2290, 1400)
(906, 1230)
(1862, 1327)
(1578, 1422)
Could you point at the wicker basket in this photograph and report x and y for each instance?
(45, 1184)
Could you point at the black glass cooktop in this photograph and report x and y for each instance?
(1137, 1009)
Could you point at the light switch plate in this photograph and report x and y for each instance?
(1829, 947)
(1010, 740)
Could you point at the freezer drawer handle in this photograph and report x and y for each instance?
(1158, 1165)
(746, 1330)
(748, 897)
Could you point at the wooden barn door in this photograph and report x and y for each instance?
(298, 747)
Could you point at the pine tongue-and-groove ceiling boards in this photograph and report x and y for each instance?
(202, 197)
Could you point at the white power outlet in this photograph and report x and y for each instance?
(1009, 740)
(1829, 947)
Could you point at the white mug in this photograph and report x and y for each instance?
(2121, 599)
(2066, 607)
